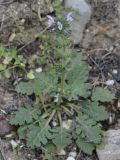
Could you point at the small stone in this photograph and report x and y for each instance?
(39, 70)
(110, 82)
(23, 20)
(61, 152)
(115, 71)
(73, 154)
(118, 105)
(111, 119)
(70, 158)
(87, 30)
(111, 150)
(111, 48)
(14, 144)
(54, 123)
(67, 124)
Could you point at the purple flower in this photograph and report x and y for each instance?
(59, 25)
(50, 20)
(70, 17)
(52, 30)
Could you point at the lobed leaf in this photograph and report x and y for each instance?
(38, 135)
(25, 115)
(103, 95)
(25, 88)
(94, 110)
(77, 76)
(85, 146)
(61, 137)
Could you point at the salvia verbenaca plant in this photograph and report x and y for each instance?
(63, 94)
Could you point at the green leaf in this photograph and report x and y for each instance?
(2, 50)
(89, 129)
(13, 53)
(49, 152)
(88, 134)
(38, 135)
(25, 115)
(94, 110)
(61, 137)
(22, 131)
(85, 146)
(7, 60)
(30, 74)
(103, 95)
(44, 84)
(25, 88)
(7, 73)
(77, 76)
(2, 67)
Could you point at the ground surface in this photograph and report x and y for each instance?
(101, 41)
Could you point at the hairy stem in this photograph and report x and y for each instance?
(59, 117)
(51, 116)
(42, 101)
(62, 88)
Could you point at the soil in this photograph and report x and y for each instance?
(101, 41)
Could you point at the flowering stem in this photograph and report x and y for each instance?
(62, 88)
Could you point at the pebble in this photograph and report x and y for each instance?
(73, 154)
(110, 82)
(111, 48)
(23, 20)
(14, 144)
(54, 123)
(67, 124)
(111, 119)
(61, 152)
(115, 71)
(118, 105)
(70, 158)
(39, 70)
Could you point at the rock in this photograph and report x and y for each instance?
(80, 19)
(111, 150)
(5, 128)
